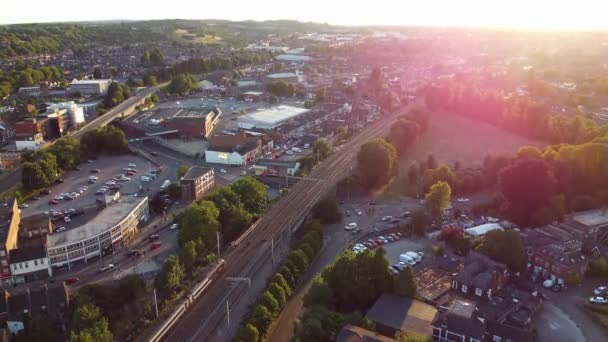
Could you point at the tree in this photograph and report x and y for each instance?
(412, 173)
(67, 152)
(420, 221)
(506, 247)
(282, 282)
(249, 333)
(320, 94)
(233, 217)
(106, 139)
(598, 267)
(319, 293)
(287, 275)
(408, 336)
(97, 74)
(431, 163)
(327, 211)
(442, 173)
(252, 194)
(170, 278)
(33, 177)
(261, 319)
(403, 134)
(529, 152)
(404, 283)
(528, 186)
(150, 81)
(321, 149)
(437, 199)
(376, 164)
(183, 84)
(188, 255)
(199, 221)
(90, 325)
(117, 93)
(182, 170)
(154, 98)
(270, 303)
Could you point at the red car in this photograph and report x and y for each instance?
(373, 243)
(155, 245)
(130, 173)
(379, 242)
(71, 281)
(53, 201)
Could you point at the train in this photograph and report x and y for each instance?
(216, 271)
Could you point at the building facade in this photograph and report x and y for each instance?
(559, 261)
(113, 226)
(29, 264)
(197, 182)
(90, 87)
(481, 276)
(10, 218)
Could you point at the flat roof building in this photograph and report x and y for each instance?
(197, 182)
(482, 229)
(90, 87)
(115, 224)
(270, 118)
(392, 314)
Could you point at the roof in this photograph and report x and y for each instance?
(41, 300)
(475, 265)
(293, 58)
(270, 117)
(592, 217)
(6, 216)
(196, 172)
(282, 75)
(483, 229)
(90, 81)
(351, 333)
(403, 314)
(290, 164)
(182, 114)
(107, 218)
(459, 318)
(508, 332)
(253, 93)
(27, 253)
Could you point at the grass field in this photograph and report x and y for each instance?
(452, 138)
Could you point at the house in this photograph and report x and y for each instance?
(9, 159)
(196, 183)
(51, 302)
(481, 276)
(558, 261)
(392, 314)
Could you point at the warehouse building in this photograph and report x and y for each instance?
(270, 118)
(116, 223)
(90, 87)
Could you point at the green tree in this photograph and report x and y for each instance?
(282, 282)
(33, 177)
(188, 255)
(327, 211)
(506, 247)
(405, 284)
(67, 152)
(90, 325)
(249, 333)
(261, 319)
(182, 170)
(321, 149)
(278, 293)
(288, 276)
(403, 134)
(437, 199)
(300, 259)
(252, 194)
(319, 293)
(233, 217)
(270, 303)
(154, 98)
(170, 278)
(182, 84)
(150, 81)
(199, 221)
(376, 164)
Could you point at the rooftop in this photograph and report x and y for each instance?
(352, 333)
(282, 75)
(27, 253)
(197, 172)
(271, 116)
(403, 314)
(592, 217)
(483, 229)
(277, 163)
(107, 218)
(90, 81)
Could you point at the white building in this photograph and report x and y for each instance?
(482, 229)
(293, 58)
(115, 224)
(90, 87)
(270, 118)
(75, 112)
(27, 145)
(29, 264)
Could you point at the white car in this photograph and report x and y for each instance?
(358, 212)
(23, 205)
(60, 229)
(67, 219)
(600, 290)
(223, 171)
(598, 300)
(351, 226)
(173, 226)
(386, 218)
(132, 166)
(106, 267)
(462, 200)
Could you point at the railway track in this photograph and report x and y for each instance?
(246, 259)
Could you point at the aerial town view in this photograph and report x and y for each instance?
(331, 171)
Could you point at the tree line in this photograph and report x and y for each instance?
(27, 76)
(282, 284)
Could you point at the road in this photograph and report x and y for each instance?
(252, 253)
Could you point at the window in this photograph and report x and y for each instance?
(478, 292)
(20, 266)
(2, 253)
(41, 261)
(464, 288)
(35, 262)
(4, 263)
(27, 264)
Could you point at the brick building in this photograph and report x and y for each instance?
(480, 276)
(197, 182)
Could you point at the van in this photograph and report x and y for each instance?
(407, 259)
(417, 257)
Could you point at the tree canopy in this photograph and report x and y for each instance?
(376, 164)
(438, 198)
(506, 247)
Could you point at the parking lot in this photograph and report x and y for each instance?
(108, 167)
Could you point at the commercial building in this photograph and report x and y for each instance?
(197, 182)
(74, 114)
(270, 118)
(29, 91)
(90, 87)
(193, 124)
(116, 223)
(482, 230)
(293, 58)
(392, 314)
(10, 218)
(240, 148)
(276, 168)
(254, 96)
(284, 76)
(29, 264)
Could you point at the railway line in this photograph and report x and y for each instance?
(251, 254)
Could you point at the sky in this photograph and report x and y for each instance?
(535, 14)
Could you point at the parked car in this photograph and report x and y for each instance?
(133, 253)
(46, 192)
(60, 229)
(131, 165)
(347, 213)
(153, 237)
(351, 226)
(359, 212)
(600, 290)
(173, 226)
(393, 221)
(53, 201)
(155, 245)
(71, 281)
(406, 214)
(106, 268)
(223, 171)
(356, 231)
(24, 205)
(598, 300)
(95, 171)
(386, 218)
